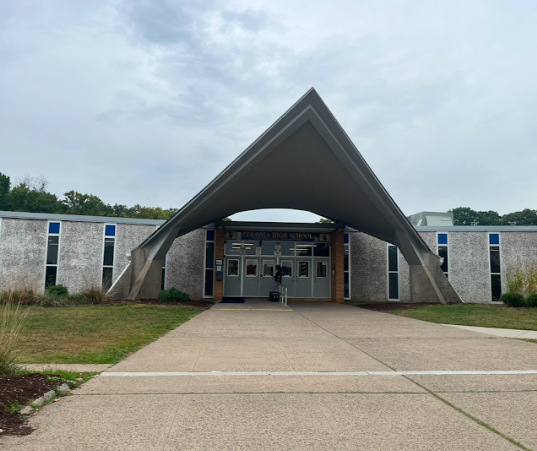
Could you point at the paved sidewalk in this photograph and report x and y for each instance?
(322, 377)
(507, 333)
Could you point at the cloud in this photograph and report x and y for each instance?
(147, 101)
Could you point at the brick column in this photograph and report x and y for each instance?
(338, 266)
(219, 255)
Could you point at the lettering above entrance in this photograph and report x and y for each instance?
(279, 236)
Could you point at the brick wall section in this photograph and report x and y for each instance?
(219, 255)
(338, 266)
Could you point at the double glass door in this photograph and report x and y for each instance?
(252, 276)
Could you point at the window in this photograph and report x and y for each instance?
(53, 253)
(268, 268)
(209, 264)
(495, 266)
(443, 252)
(347, 266)
(287, 268)
(109, 247)
(320, 269)
(321, 250)
(303, 269)
(251, 268)
(233, 268)
(393, 272)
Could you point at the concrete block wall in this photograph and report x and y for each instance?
(128, 237)
(23, 246)
(518, 250)
(185, 267)
(369, 280)
(81, 255)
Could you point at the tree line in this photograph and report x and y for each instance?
(31, 195)
(467, 216)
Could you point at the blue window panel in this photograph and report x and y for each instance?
(210, 235)
(442, 238)
(110, 230)
(346, 240)
(54, 227)
(494, 238)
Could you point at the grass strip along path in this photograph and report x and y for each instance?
(95, 333)
(474, 315)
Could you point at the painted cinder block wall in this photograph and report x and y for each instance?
(23, 246)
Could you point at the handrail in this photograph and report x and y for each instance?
(282, 289)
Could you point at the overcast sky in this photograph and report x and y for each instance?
(147, 101)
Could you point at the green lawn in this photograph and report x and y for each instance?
(474, 315)
(95, 334)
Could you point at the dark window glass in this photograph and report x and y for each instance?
(303, 249)
(443, 253)
(346, 284)
(393, 288)
(496, 284)
(287, 268)
(107, 278)
(494, 238)
(346, 239)
(209, 255)
(321, 269)
(110, 230)
(392, 258)
(50, 276)
(163, 281)
(346, 259)
(52, 250)
(321, 250)
(210, 235)
(209, 282)
(442, 238)
(54, 227)
(108, 259)
(495, 259)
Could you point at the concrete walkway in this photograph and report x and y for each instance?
(506, 333)
(321, 377)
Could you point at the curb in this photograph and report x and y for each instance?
(39, 402)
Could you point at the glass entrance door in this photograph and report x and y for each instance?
(250, 281)
(303, 278)
(321, 278)
(232, 277)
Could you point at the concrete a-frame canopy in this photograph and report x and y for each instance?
(304, 161)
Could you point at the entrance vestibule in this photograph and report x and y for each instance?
(249, 265)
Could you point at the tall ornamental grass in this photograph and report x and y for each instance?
(12, 318)
(523, 280)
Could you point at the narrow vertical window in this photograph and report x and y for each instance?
(53, 253)
(163, 281)
(393, 272)
(209, 264)
(495, 267)
(443, 252)
(108, 255)
(347, 266)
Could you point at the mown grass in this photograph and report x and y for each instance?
(474, 315)
(95, 333)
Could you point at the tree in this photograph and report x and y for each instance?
(83, 204)
(524, 217)
(24, 198)
(5, 186)
(325, 221)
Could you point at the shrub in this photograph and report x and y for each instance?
(58, 290)
(92, 294)
(173, 295)
(532, 300)
(513, 299)
(523, 279)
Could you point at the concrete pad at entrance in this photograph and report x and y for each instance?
(451, 354)
(248, 384)
(339, 421)
(513, 414)
(507, 333)
(477, 383)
